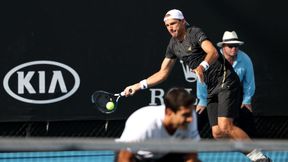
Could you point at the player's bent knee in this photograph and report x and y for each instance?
(226, 126)
(217, 133)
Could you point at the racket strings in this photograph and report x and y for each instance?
(101, 98)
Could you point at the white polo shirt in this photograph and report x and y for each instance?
(147, 123)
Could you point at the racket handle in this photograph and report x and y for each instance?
(122, 93)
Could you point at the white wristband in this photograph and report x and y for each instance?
(205, 65)
(143, 84)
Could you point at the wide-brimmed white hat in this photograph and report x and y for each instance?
(229, 38)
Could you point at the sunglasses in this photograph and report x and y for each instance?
(232, 45)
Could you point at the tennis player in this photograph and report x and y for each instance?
(193, 47)
(174, 120)
(243, 66)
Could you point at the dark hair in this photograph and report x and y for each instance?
(177, 97)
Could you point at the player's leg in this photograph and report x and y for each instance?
(228, 128)
(179, 157)
(228, 109)
(124, 155)
(246, 121)
(212, 112)
(229, 102)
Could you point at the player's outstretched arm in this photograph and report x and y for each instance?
(158, 77)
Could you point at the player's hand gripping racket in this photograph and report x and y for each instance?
(199, 75)
(106, 102)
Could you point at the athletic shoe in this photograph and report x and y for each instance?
(267, 159)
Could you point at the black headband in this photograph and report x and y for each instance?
(232, 39)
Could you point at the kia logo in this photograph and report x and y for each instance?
(41, 82)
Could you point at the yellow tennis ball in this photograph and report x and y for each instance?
(110, 105)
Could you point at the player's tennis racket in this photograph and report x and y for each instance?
(106, 102)
(100, 100)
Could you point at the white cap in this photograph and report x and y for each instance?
(173, 14)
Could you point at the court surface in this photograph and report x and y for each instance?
(108, 156)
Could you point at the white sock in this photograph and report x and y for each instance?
(255, 155)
